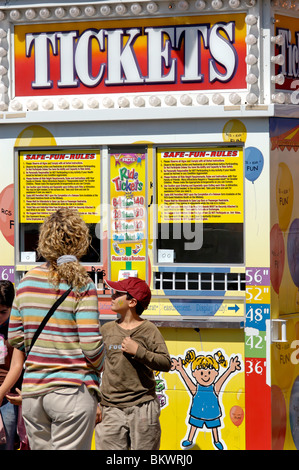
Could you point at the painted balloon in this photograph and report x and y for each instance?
(7, 213)
(279, 418)
(284, 195)
(277, 257)
(236, 415)
(254, 163)
(294, 412)
(293, 251)
(234, 131)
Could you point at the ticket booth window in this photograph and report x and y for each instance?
(49, 181)
(200, 205)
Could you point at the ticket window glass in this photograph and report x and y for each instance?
(200, 205)
(47, 181)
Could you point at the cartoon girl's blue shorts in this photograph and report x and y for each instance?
(199, 423)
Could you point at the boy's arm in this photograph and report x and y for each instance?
(156, 359)
(13, 374)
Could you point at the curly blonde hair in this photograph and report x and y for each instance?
(204, 362)
(65, 233)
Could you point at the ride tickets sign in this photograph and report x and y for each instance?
(161, 54)
(128, 221)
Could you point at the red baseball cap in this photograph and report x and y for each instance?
(134, 286)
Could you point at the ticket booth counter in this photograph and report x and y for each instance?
(173, 128)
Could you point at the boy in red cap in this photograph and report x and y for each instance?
(130, 410)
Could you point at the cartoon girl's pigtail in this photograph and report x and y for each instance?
(220, 359)
(190, 356)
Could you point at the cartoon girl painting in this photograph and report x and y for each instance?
(205, 407)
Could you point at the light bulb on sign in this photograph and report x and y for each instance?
(252, 98)
(200, 5)
(217, 4)
(47, 104)
(287, 4)
(3, 52)
(250, 39)
(60, 12)
(154, 101)
(74, 12)
(152, 7)
(3, 70)
(77, 103)
(251, 78)
(202, 99)
(136, 8)
(44, 13)
(170, 100)
(234, 98)
(138, 101)
(32, 105)
(30, 14)
(92, 103)
(63, 104)
(16, 105)
(279, 39)
(251, 20)
(90, 10)
(123, 102)
(217, 98)
(15, 15)
(2, 15)
(108, 103)
(121, 9)
(3, 106)
(278, 59)
(250, 59)
(278, 98)
(105, 10)
(183, 5)
(3, 88)
(234, 3)
(279, 79)
(3, 33)
(186, 100)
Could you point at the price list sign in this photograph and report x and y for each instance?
(128, 222)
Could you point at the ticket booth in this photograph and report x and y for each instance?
(173, 127)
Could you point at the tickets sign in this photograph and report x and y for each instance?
(287, 27)
(190, 53)
(49, 181)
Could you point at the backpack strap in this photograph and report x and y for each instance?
(46, 318)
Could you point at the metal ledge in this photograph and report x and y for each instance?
(179, 321)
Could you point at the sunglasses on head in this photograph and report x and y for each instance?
(116, 294)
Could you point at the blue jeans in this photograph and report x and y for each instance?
(9, 415)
